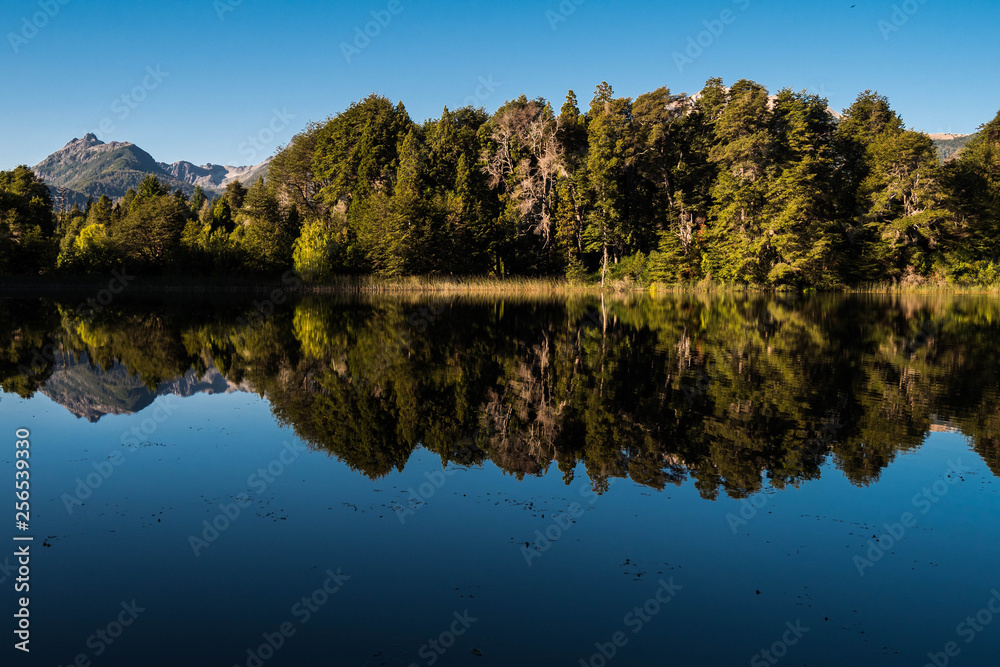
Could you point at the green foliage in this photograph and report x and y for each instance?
(27, 224)
(356, 152)
(291, 173)
(317, 254)
(732, 185)
(608, 229)
(149, 234)
(268, 234)
(974, 183)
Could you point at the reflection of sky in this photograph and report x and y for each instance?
(462, 550)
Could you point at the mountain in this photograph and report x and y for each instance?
(88, 167)
(214, 177)
(950, 145)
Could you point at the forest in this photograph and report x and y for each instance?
(732, 186)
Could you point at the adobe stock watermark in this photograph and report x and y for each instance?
(967, 630)
(223, 7)
(698, 44)
(120, 280)
(419, 319)
(696, 388)
(487, 86)
(635, 621)
(86, 486)
(900, 16)
(302, 611)
(123, 106)
(30, 26)
(363, 35)
(263, 310)
(7, 569)
(594, 319)
(255, 143)
(432, 651)
(779, 649)
(85, 310)
(419, 496)
(104, 638)
(894, 533)
(929, 331)
(560, 524)
(258, 482)
(565, 9)
(749, 509)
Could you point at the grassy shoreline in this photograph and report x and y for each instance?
(482, 286)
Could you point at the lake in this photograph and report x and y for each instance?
(433, 480)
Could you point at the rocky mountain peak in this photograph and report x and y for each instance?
(89, 139)
(89, 167)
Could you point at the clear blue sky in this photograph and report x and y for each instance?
(226, 77)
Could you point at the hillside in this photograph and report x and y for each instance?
(950, 145)
(89, 167)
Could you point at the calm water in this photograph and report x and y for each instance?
(669, 481)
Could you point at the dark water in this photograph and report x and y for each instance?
(644, 481)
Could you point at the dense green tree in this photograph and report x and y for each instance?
(740, 250)
(905, 220)
(149, 188)
(268, 233)
(235, 193)
(974, 183)
(291, 173)
(609, 228)
(198, 200)
(27, 198)
(730, 184)
(356, 152)
(803, 238)
(318, 254)
(149, 235)
(27, 223)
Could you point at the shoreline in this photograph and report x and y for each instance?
(484, 286)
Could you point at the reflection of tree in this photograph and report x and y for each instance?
(27, 348)
(731, 391)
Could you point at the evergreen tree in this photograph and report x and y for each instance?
(974, 183)
(608, 229)
(267, 236)
(27, 224)
(740, 251)
(803, 236)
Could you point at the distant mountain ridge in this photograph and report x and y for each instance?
(949, 146)
(89, 167)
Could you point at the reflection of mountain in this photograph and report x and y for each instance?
(90, 392)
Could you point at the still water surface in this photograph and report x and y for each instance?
(396, 481)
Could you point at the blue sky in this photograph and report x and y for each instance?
(229, 81)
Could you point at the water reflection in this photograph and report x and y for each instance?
(733, 392)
